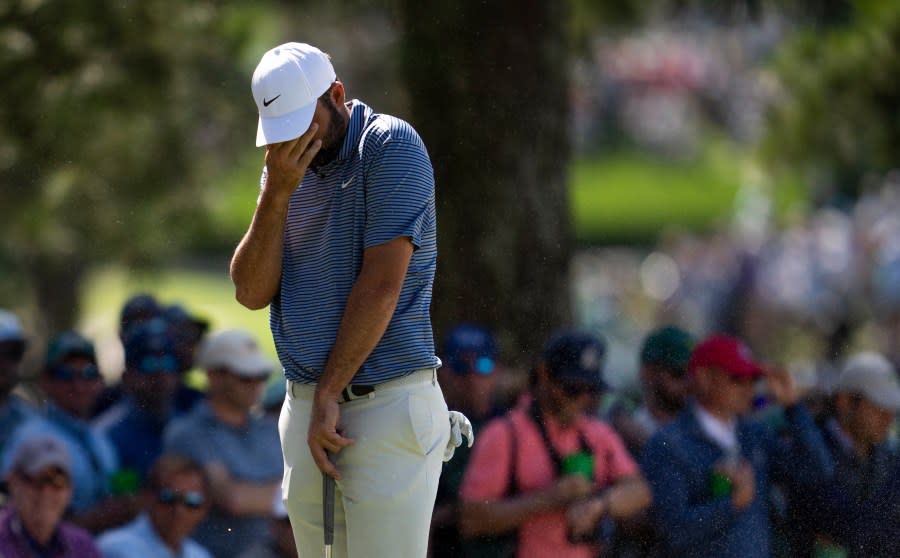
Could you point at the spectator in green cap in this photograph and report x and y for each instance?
(662, 373)
(664, 386)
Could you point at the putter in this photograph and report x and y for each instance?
(328, 512)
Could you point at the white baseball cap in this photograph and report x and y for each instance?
(872, 376)
(286, 84)
(236, 351)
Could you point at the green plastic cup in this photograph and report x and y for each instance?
(581, 463)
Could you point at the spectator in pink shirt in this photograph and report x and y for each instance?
(548, 471)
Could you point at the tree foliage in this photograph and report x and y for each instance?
(112, 112)
(838, 120)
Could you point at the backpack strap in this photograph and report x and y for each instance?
(512, 488)
(538, 417)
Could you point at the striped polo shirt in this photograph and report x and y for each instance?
(380, 187)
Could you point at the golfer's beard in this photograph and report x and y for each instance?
(328, 152)
(332, 141)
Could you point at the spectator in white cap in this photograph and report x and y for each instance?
(13, 410)
(238, 446)
(40, 487)
(864, 404)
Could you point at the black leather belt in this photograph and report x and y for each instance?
(355, 391)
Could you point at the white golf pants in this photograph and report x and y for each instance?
(384, 502)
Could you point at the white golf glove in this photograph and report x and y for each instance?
(459, 427)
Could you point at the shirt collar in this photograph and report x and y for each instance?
(359, 113)
(720, 432)
(146, 528)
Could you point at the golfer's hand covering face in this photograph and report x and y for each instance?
(459, 427)
(286, 162)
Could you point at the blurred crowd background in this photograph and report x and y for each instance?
(718, 166)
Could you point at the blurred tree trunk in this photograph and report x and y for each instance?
(56, 283)
(488, 83)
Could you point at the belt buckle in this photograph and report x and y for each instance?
(355, 391)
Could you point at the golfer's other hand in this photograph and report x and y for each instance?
(459, 427)
(323, 436)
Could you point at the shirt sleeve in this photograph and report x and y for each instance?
(399, 192)
(179, 437)
(611, 459)
(487, 473)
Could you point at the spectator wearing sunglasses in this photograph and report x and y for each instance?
(468, 379)
(174, 501)
(548, 476)
(40, 487)
(237, 444)
(14, 411)
(72, 382)
(136, 423)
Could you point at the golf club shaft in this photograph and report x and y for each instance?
(328, 512)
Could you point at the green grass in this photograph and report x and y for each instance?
(631, 197)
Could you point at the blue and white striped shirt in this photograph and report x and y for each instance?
(380, 187)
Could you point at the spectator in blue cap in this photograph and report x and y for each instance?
(468, 379)
(13, 410)
(187, 332)
(136, 423)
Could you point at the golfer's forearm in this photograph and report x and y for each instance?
(367, 314)
(256, 264)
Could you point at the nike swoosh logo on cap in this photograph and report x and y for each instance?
(270, 101)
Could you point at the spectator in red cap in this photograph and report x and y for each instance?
(711, 469)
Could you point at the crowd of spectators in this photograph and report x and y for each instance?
(149, 466)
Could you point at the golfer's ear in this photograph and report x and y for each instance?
(338, 95)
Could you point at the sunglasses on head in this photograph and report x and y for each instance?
(69, 373)
(192, 500)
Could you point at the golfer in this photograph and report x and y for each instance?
(342, 247)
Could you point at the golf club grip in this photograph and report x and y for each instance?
(328, 508)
